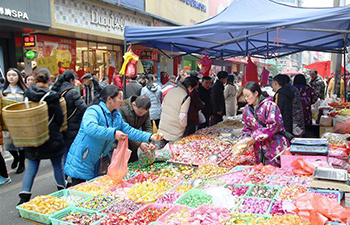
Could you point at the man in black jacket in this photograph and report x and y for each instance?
(284, 99)
(217, 98)
(133, 88)
(204, 94)
(135, 112)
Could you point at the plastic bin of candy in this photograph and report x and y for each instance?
(176, 215)
(239, 190)
(337, 195)
(151, 208)
(194, 198)
(263, 191)
(99, 203)
(35, 216)
(71, 196)
(256, 206)
(141, 177)
(56, 219)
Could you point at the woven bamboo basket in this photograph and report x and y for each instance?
(4, 103)
(64, 109)
(28, 127)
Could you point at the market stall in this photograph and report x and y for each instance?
(191, 189)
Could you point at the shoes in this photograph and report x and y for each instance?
(4, 180)
(20, 169)
(14, 164)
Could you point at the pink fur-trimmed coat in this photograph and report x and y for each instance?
(268, 113)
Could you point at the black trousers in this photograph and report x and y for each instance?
(3, 170)
(216, 119)
(190, 128)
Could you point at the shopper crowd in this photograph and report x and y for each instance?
(99, 115)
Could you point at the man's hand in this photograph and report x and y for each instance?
(144, 146)
(219, 113)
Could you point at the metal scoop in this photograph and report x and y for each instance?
(215, 157)
(196, 182)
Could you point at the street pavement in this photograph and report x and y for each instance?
(44, 183)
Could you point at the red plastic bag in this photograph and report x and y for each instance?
(318, 209)
(206, 65)
(342, 128)
(118, 168)
(268, 169)
(302, 168)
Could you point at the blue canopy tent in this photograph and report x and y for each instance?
(260, 28)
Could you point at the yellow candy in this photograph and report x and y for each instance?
(45, 204)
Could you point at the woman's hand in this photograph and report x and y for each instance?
(262, 137)
(119, 136)
(156, 137)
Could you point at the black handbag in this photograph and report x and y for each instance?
(104, 161)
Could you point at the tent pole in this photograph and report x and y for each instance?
(246, 44)
(124, 77)
(345, 81)
(317, 30)
(268, 44)
(222, 61)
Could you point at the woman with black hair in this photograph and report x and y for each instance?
(308, 96)
(52, 149)
(263, 122)
(65, 85)
(154, 92)
(13, 90)
(230, 94)
(102, 124)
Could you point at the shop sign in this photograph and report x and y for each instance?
(146, 54)
(30, 54)
(111, 21)
(195, 4)
(13, 13)
(29, 41)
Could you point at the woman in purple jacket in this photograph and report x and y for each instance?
(263, 123)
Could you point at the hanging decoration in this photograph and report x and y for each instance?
(129, 67)
(205, 65)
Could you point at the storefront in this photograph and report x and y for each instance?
(87, 36)
(18, 17)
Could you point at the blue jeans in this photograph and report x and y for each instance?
(32, 169)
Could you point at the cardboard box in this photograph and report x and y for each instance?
(326, 121)
(325, 130)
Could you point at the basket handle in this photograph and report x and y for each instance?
(43, 98)
(26, 102)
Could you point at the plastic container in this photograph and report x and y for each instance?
(340, 196)
(240, 185)
(151, 205)
(56, 218)
(239, 168)
(249, 192)
(193, 194)
(36, 216)
(134, 179)
(237, 209)
(68, 192)
(175, 209)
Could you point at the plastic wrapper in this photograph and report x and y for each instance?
(302, 168)
(118, 168)
(342, 128)
(146, 158)
(339, 163)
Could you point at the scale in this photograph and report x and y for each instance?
(309, 146)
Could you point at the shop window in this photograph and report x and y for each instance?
(81, 50)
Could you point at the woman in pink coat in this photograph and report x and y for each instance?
(263, 122)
